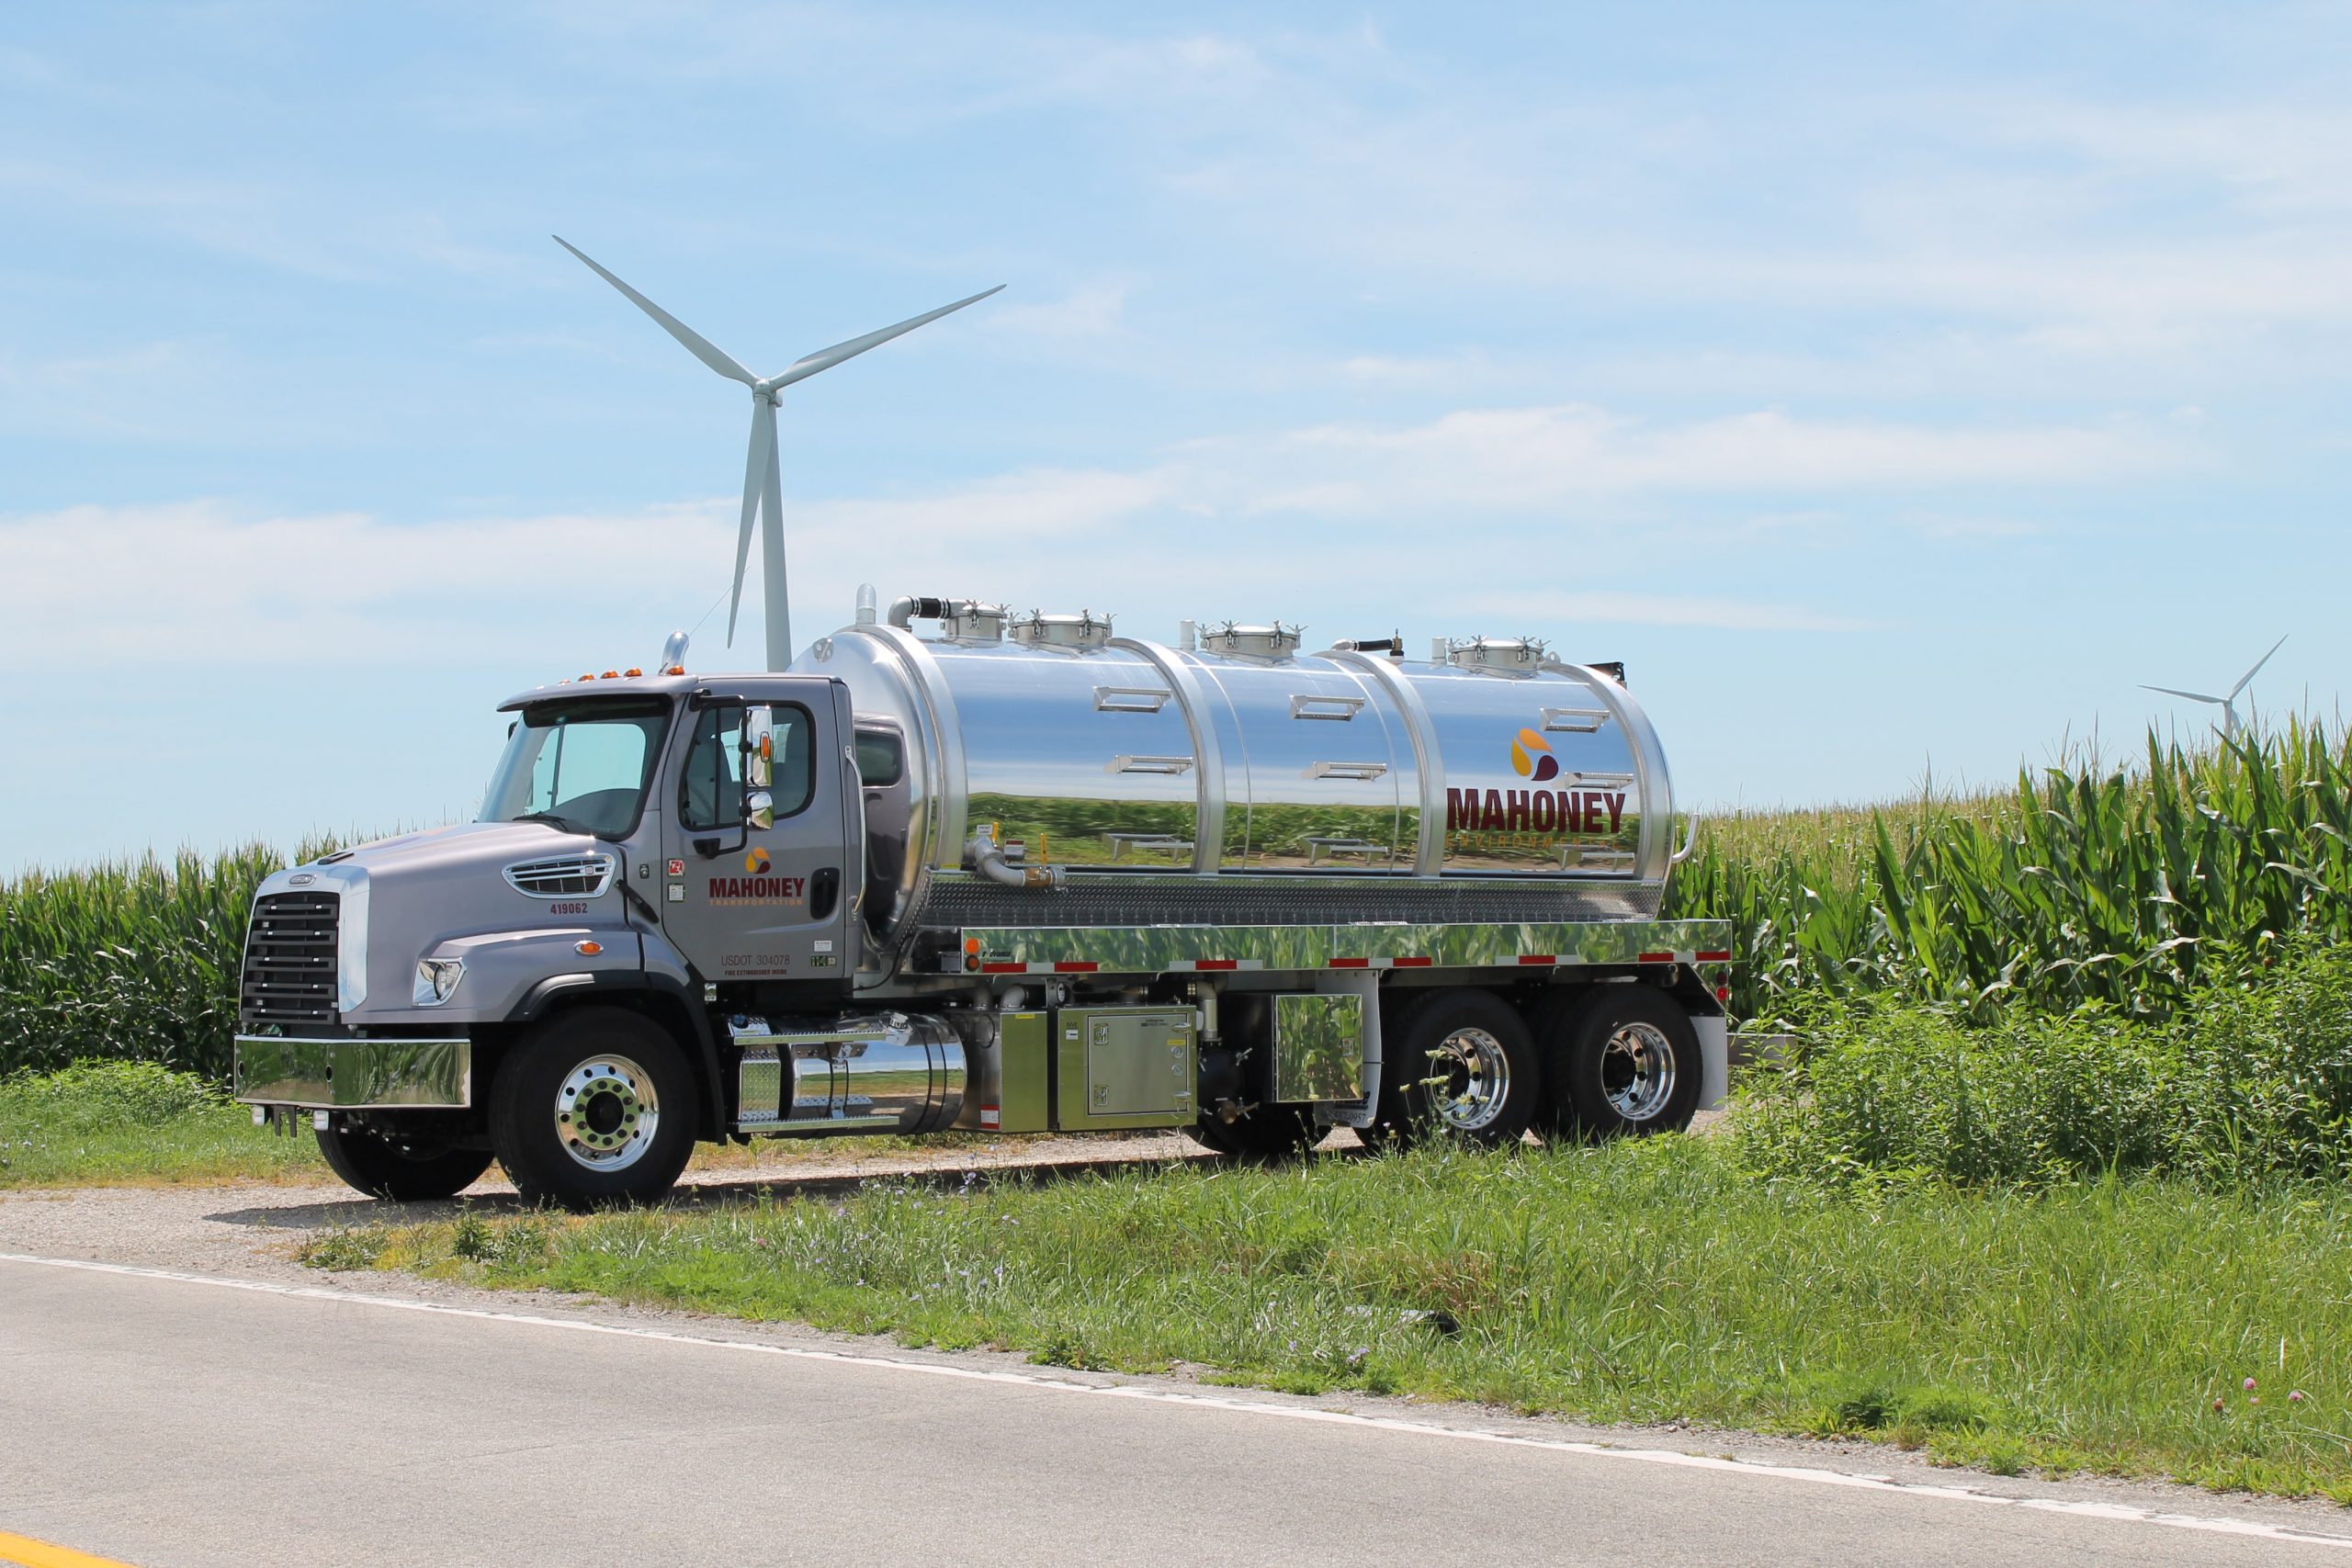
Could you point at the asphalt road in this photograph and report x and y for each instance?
(167, 1421)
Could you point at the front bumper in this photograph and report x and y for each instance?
(355, 1074)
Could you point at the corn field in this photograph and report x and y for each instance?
(127, 961)
(2123, 886)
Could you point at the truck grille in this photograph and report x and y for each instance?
(290, 959)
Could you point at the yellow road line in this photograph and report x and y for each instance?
(34, 1553)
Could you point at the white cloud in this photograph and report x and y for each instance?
(1613, 607)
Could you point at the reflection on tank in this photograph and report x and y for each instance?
(1105, 755)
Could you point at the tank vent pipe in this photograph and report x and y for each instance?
(988, 859)
(1188, 636)
(865, 603)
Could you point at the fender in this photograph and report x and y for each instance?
(542, 997)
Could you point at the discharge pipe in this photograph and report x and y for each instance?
(988, 858)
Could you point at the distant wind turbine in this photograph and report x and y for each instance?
(763, 472)
(2227, 704)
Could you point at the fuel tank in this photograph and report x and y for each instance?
(1232, 772)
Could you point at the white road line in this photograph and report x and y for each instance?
(1804, 1474)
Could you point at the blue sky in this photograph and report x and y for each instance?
(1890, 390)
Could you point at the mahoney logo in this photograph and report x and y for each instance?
(1530, 758)
(1533, 810)
(758, 888)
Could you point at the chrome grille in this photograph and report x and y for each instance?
(290, 975)
(564, 876)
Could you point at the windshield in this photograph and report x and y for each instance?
(579, 764)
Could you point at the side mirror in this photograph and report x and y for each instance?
(759, 768)
(759, 810)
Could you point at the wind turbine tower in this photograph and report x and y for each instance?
(2227, 704)
(763, 471)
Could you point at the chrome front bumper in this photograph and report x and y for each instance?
(355, 1074)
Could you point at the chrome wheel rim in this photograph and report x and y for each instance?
(1471, 1081)
(606, 1111)
(1637, 1071)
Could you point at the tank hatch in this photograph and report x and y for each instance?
(1079, 632)
(1277, 640)
(1509, 655)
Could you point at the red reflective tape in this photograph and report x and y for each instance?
(1076, 966)
(1413, 963)
(1539, 958)
(1722, 957)
(1218, 964)
(1655, 958)
(1351, 964)
(1004, 968)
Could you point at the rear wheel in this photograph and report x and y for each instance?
(1268, 1132)
(594, 1106)
(387, 1163)
(1465, 1066)
(1624, 1061)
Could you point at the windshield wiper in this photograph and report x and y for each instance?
(552, 820)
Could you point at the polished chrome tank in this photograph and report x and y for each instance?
(1243, 760)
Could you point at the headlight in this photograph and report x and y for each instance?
(435, 978)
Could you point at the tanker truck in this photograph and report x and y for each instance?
(959, 868)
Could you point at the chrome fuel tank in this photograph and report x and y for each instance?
(1127, 761)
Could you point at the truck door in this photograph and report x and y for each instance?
(756, 849)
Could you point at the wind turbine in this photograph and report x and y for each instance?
(763, 472)
(2227, 704)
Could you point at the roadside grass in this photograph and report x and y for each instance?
(133, 1123)
(2103, 1325)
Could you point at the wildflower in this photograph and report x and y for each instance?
(2296, 1397)
(2218, 1404)
(2249, 1385)
(1356, 1355)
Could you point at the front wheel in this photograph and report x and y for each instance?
(594, 1106)
(1625, 1062)
(390, 1163)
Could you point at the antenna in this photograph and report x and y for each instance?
(762, 470)
(2227, 704)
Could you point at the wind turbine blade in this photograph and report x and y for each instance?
(826, 358)
(2257, 666)
(2192, 696)
(701, 347)
(761, 457)
(779, 597)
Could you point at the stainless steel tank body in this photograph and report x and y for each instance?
(1056, 743)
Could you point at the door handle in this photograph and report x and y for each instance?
(824, 892)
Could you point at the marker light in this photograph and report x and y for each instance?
(612, 674)
(632, 671)
(675, 669)
(588, 949)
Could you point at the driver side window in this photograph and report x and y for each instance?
(711, 792)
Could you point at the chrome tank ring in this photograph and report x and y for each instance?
(606, 1111)
(1472, 1079)
(1637, 1071)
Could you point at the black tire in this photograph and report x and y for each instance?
(386, 1164)
(606, 1083)
(1604, 1051)
(1463, 1064)
(1268, 1133)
